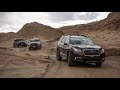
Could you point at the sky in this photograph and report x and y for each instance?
(14, 21)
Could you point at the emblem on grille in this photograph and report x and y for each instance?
(92, 51)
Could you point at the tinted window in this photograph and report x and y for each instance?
(81, 41)
(35, 40)
(63, 40)
(17, 40)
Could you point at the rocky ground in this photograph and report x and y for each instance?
(22, 63)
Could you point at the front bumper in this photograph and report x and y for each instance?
(35, 47)
(22, 44)
(90, 58)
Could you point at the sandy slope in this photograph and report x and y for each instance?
(110, 69)
(22, 63)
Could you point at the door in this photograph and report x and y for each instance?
(63, 47)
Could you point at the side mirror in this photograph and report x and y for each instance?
(65, 44)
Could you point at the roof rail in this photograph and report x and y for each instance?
(84, 35)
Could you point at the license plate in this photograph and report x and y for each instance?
(91, 56)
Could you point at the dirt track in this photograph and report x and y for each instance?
(110, 69)
(22, 63)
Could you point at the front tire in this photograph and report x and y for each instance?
(59, 58)
(25, 45)
(39, 47)
(70, 59)
(30, 48)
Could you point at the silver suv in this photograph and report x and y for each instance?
(34, 43)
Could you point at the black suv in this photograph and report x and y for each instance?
(79, 48)
(34, 43)
(19, 42)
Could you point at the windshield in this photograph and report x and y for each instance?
(81, 41)
(17, 40)
(35, 40)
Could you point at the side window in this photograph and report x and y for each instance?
(66, 40)
(63, 40)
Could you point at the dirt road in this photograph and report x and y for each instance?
(22, 63)
(110, 69)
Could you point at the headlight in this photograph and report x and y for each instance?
(102, 51)
(76, 50)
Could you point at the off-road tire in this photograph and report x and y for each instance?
(39, 47)
(30, 48)
(25, 45)
(70, 59)
(59, 58)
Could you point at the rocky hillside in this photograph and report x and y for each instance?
(105, 32)
(37, 30)
(111, 22)
(7, 36)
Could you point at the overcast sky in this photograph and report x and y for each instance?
(13, 21)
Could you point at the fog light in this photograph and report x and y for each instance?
(77, 58)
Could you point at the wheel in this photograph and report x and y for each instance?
(59, 58)
(98, 63)
(25, 45)
(30, 48)
(15, 45)
(39, 47)
(70, 59)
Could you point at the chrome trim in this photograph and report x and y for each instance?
(77, 58)
(89, 55)
(62, 54)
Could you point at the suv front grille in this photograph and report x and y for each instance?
(22, 42)
(91, 52)
(34, 44)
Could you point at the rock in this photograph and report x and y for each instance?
(27, 54)
(47, 57)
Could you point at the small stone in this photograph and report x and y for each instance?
(47, 57)
(27, 54)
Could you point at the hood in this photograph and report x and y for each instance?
(21, 41)
(34, 42)
(87, 46)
